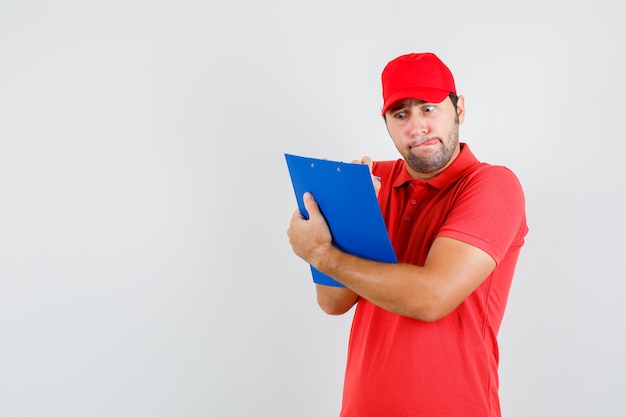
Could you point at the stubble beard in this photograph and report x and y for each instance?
(432, 163)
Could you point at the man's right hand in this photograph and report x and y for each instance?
(366, 160)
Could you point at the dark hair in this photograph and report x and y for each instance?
(454, 99)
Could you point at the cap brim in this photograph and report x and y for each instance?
(427, 94)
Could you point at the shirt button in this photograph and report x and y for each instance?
(414, 202)
(407, 219)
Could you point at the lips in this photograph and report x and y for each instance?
(427, 142)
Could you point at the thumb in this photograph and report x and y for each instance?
(311, 205)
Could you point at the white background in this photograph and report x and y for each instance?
(144, 196)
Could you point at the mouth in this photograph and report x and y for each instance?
(425, 143)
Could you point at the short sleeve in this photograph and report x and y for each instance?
(488, 212)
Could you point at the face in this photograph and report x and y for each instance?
(426, 134)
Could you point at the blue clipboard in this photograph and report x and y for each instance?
(346, 197)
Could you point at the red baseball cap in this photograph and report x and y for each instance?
(417, 75)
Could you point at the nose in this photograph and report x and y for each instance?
(418, 125)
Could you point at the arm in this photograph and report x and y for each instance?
(335, 300)
(453, 269)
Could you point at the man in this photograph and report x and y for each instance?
(423, 339)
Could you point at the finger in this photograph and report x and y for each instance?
(366, 160)
(296, 219)
(297, 215)
(311, 205)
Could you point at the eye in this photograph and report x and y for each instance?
(429, 108)
(400, 115)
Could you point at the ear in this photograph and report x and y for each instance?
(460, 109)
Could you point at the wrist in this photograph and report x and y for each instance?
(325, 259)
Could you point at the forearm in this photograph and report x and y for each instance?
(453, 270)
(393, 287)
(335, 300)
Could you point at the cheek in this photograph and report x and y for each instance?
(394, 133)
(398, 141)
(396, 130)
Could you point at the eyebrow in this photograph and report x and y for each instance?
(405, 103)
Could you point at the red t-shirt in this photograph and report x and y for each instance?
(398, 366)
